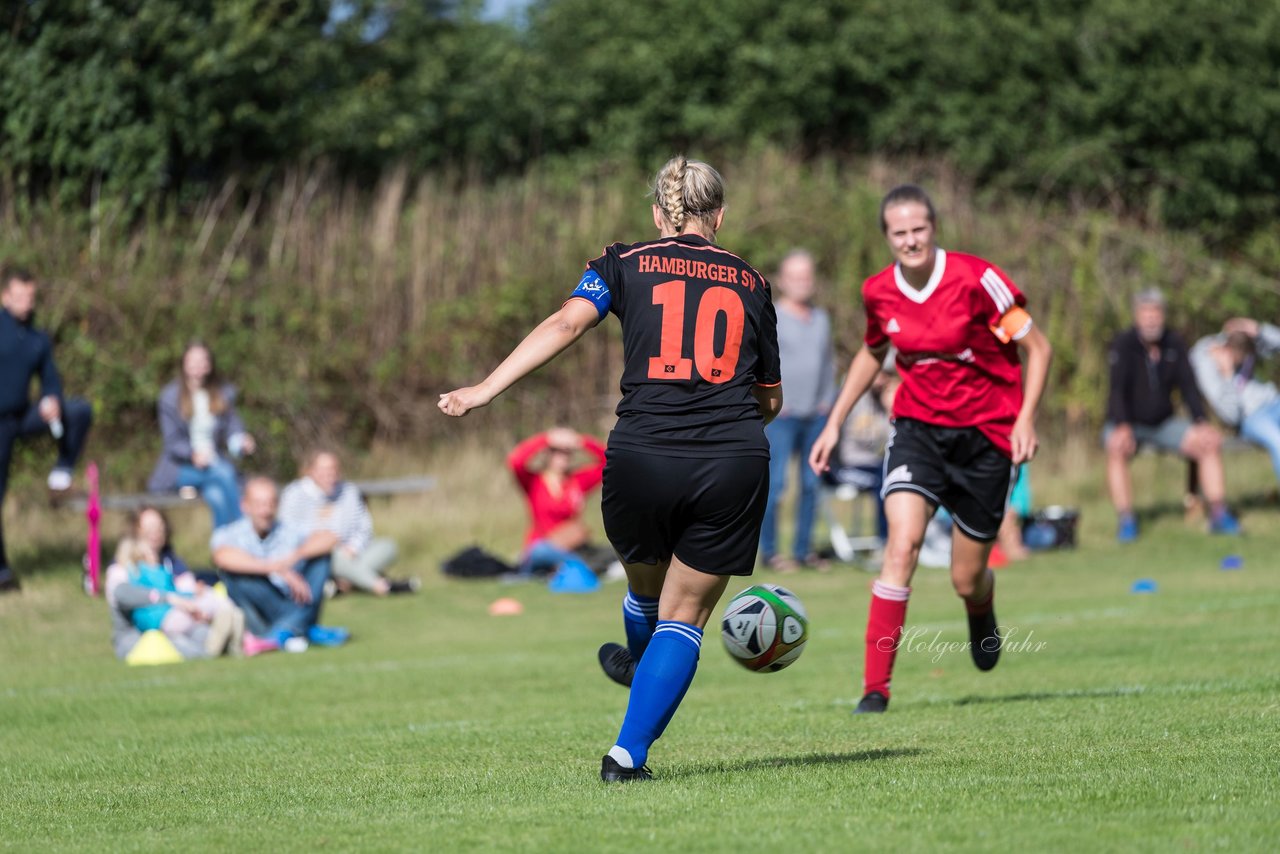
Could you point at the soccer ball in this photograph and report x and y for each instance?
(764, 628)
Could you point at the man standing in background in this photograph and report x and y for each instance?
(26, 352)
(808, 376)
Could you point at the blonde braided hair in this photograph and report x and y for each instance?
(688, 189)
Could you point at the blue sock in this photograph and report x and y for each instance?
(639, 618)
(662, 678)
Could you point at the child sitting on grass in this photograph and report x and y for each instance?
(198, 621)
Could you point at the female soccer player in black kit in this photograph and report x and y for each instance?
(687, 472)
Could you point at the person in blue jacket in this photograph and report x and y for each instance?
(27, 352)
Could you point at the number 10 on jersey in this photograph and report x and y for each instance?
(671, 363)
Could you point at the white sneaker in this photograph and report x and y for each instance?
(59, 480)
(295, 644)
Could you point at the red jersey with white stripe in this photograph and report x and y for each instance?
(956, 352)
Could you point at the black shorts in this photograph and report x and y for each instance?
(705, 511)
(956, 467)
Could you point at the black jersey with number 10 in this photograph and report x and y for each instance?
(698, 332)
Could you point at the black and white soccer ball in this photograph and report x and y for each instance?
(765, 628)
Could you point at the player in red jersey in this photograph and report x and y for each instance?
(964, 418)
(686, 477)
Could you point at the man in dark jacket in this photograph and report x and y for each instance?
(26, 352)
(1148, 362)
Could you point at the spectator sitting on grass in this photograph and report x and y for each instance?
(199, 623)
(322, 501)
(198, 421)
(556, 491)
(148, 577)
(275, 572)
(1224, 366)
(151, 527)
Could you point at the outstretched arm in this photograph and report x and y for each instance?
(544, 343)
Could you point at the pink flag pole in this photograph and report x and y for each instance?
(93, 542)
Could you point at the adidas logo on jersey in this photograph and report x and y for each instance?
(893, 326)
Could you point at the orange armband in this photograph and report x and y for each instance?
(1013, 325)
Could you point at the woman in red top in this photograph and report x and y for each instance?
(973, 368)
(556, 492)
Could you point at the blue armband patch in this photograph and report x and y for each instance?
(593, 289)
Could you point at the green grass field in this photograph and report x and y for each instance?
(1119, 722)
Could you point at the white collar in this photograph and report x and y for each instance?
(919, 296)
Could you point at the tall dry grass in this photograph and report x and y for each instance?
(343, 310)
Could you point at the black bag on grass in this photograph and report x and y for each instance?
(596, 557)
(475, 562)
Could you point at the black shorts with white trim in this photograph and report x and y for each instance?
(954, 467)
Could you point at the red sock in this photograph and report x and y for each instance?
(884, 631)
(983, 605)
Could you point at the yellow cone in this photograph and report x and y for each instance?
(153, 648)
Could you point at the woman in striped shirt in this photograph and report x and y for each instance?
(322, 500)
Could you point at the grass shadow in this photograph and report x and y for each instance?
(47, 559)
(803, 760)
(1037, 696)
(1257, 501)
(1265, 500)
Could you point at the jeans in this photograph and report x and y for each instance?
(219, 487)
(791, 437)
(542, 555)
(268, 610)
(77, 415)
(1263, 429)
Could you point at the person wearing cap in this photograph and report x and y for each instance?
(1148, 362)
(1225, 364)
(27, 352)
